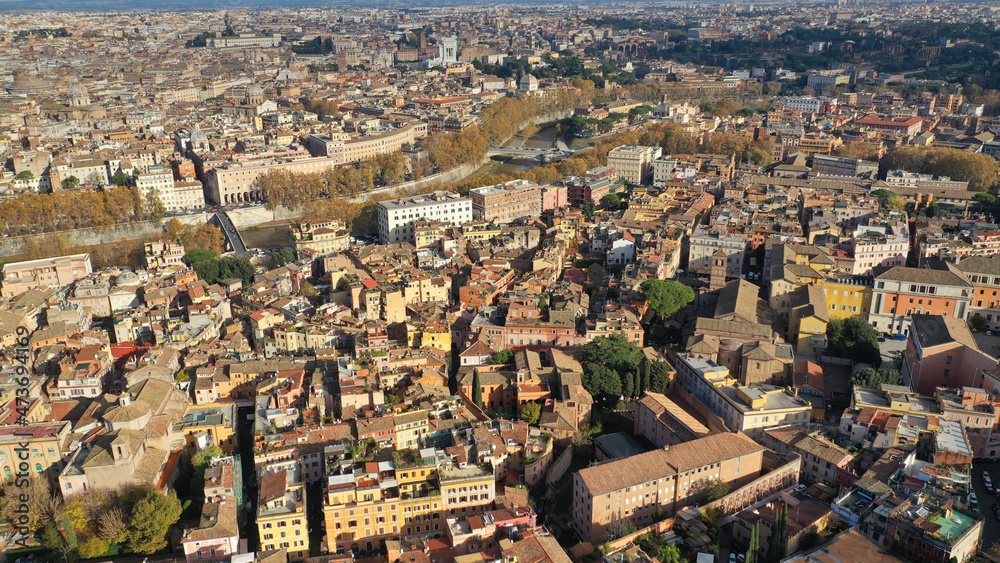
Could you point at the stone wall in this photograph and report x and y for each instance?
(12, 246)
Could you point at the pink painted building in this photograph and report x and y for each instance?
(217, 537)
(941, 352)
(554, 196)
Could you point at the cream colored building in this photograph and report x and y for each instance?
(634, 163)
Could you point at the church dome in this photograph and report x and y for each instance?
(25, 83)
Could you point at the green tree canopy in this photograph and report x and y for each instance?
(199, 255)
(855, 338)
(611, 201)
(610, 367)
(121, 179)
(149, 523)
(504, 356)
(284, 256)
(531, 413)
(666, 297)
(70, 183)
(589, 209)
(873, 378)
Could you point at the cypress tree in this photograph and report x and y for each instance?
(477, 389)
(754, 548)
(778, 545)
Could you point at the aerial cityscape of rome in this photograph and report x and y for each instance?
(527, 282)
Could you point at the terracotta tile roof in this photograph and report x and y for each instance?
(657, 464)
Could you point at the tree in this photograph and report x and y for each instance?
(94, 547)
(714, 490)
(589, 209)
(112, 525)
(888, 199)
(154, 205)
(26, 175)
(70, 183)
(309, 290)
(201, 460)
(121, 179)
(42, 504)
(284, 256)
(504, 356)
(477, 389)
(392, 399)
(985, 199)
(531, 413)
(872, 378)
(977, 323)
(199, 255)
(857, 149)
(759, 157)
(753, 548)
(666, 297)
(657, 376)
(853, 337)
(772, 88)
(777, 545)
(152, 516)
(611, 201)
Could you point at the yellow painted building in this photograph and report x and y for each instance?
(848, 296)
(38, 445)
(204, 426)
(431, 335)
(281, 509)
(359, 513)
(807, 319)
(411, 428)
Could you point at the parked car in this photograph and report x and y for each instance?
(974, 502)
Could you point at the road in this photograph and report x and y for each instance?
(991, 527)
(232, 235)
(555, 154)
(245, 429)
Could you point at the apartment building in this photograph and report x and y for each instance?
(634, 163)
(706, 242)
(161, 254)
(158, 181)
(902, 292)
(323, 238)
(904, 126)
(878, 246)
(503, 203)
(362, 507)
(631, 489)
(744, 408)
(662, 421)
(396, 217)
(189, 194)
(466, 490)
(281, 509)
(217, 536)
(39, 445)
(822, 459)
(19, 277)
(984, 274)
(941, 352)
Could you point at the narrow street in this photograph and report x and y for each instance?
(249, 476)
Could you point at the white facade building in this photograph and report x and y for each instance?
(396, 217)
(161, 179)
